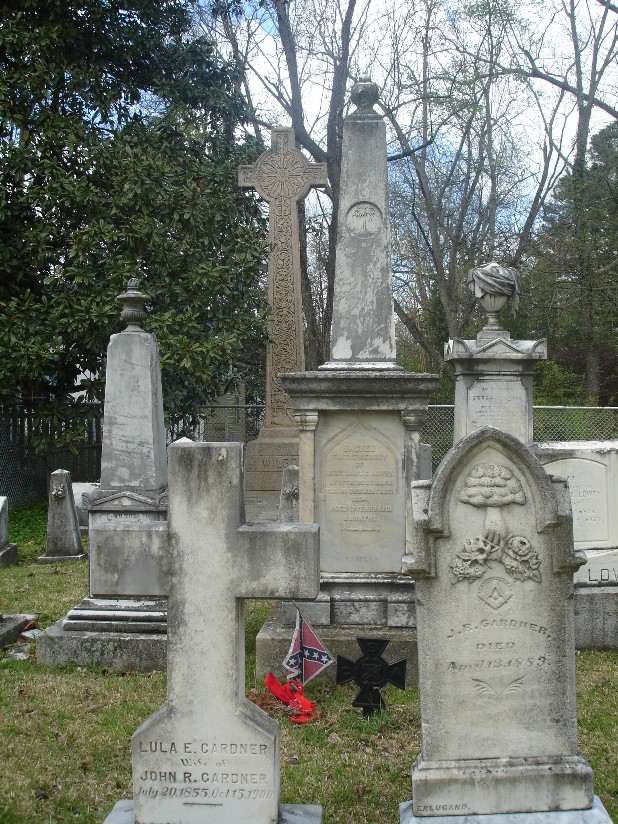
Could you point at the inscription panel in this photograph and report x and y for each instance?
(588, 484)
(360, 501)
(499, 403)
(601, 570)
(224, 779)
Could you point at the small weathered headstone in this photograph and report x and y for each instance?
(282, 176)
(210, 754)
(288, 502)
(591, 468)
(8, 551)
(64, 542)
(493, 561)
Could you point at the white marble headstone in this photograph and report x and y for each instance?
(209, 754)
(493, 562)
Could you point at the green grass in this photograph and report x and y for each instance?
(66, 732)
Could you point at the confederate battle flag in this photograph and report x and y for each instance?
(307, 655)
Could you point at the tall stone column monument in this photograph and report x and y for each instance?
(122, 623)
(360, 416)
(282, 176)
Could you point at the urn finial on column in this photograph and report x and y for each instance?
(133, 309)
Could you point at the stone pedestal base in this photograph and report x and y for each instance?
(61, 559)
(596, 617)
(123, 813)
(125, 636)
(267, 457)
(273, 643)
(597, 814)
(8, 555)
(489, 786)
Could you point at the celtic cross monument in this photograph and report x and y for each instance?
(282, 176)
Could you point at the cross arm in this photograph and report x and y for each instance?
(280, 560)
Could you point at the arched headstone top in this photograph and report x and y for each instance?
(499, 481)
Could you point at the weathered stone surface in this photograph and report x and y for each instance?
(117, 651)
(591, 468)
(11, 627)
(64, 542)
(209, 748)
(597, 814)
(493, 561)
(282, 176)
(360, 491)
(363, 327)
(8, 551)
(81, 489)
(134, 451)
(600, 569)
(130, 558)
(596, 617)
(288, 501)
(124, 813)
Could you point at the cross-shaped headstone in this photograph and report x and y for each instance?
(282, 175)
(209, 754)
(371, 672)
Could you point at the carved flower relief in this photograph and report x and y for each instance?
(471, 562)
(494, 486)
(520, 560)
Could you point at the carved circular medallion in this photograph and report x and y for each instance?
(282, 174)
(364, 219)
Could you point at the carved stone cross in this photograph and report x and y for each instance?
(282, 175)
(209, 754)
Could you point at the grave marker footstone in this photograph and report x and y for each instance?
(64, 542)
(493, 561)
(210, 754)
(282, 176)
(8, 551)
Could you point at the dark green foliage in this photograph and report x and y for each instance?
(118, 159)
(571, 289)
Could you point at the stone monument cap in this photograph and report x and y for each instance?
(133, 306)
(493, 285)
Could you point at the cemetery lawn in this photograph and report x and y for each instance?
(66, 732)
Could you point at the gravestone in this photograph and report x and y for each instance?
(494, 374)
(122, 623)
(359, 417)
(8, 551)
(81, 488)
(282, 176)
(288, 499)
(209, 754)
(493, 561)
(64, 542)
(591, 468)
